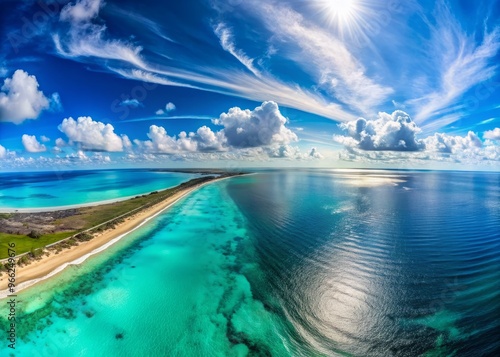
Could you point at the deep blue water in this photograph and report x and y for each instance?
(62, 188)
(290, 263)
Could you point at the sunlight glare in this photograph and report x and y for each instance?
(345, 15)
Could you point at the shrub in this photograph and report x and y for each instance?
(35, 234)
(84, 236)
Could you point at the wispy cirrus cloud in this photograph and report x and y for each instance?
(88, 41)
(327, 58)
(227, 43)
(461, 63)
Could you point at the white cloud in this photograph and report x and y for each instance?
(20, 98)
(3, 152)
(396, 132)
(134, 103)
(392, 138)
(60, 143)
(246, 133)
(227, 43)
(461, 64)
(450, 144)
(264, 125)
(91, 135)
(315, 154)
(81, 11)
(492, 134)
(87, 39)
(170, 107)
(202, 141)
(44, 139)
(324, 56)
(31, 144)
(55, 103)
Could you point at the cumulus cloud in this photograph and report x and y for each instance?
(44, 139)
(20, 98)
(492, 134)
(392, 138)
(60, 142)
(315, 154)
(203, 140)
(3, 152)
(91, 135)
(169, 107)
(264, 125)
(393, 132)
(450, 144)
(31, 144)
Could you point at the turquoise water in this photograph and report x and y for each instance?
(63, 188)
(312, 263)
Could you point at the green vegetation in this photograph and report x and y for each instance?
(86, 218)
(25, 244)
(35, 234)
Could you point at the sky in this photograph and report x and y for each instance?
(229, 84)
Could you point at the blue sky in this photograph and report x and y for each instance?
(329, 83)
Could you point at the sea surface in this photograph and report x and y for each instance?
(288, 263)
(35, 190)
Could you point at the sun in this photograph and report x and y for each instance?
(342, 9)
(345, 15)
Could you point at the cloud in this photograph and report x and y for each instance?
(203, 140)
(169, 107)
(315, 154)
(60, 143)
(264, 125)
(326, 57)
(3, 152)
(84, 38)
(55, 103)
(248, 133)
(20, 98)
(492, 134)
(395, 132)
(91, 135)
(44, 139)
(450, 144)
(461, 64)
(134, 103)
(81, 11)
(31, 144)
(392, 139)
(227, 43)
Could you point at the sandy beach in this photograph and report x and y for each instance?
(48, 266)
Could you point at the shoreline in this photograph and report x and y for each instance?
(49, 266)
(78, 205)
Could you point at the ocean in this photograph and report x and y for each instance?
(288, 263)
(41, 190)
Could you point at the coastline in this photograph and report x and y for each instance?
(79, 205)
(51, 265)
